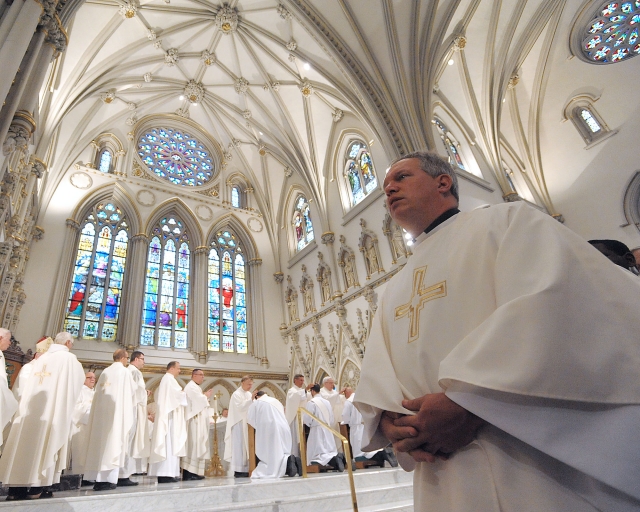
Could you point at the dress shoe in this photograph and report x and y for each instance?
(46, 494)
(167, 480)
(240, 474)
(17, 493)
(292, 469)
(188, 475)
(299, 465)
(126, 482)
(337, 464)
(86, 483)
(104, 486)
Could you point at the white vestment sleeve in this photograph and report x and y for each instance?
(581, 435)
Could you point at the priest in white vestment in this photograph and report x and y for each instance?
(36, 451)
(42, 346)
(321, 447)
(198, 415)
(273, 438)
(139, 437)
(329, 392)
(169, 438)
(297, 396)
(8, 403)
(79, 420)
(110, 424)
(503, 358)
(352, 417)
(236, 448)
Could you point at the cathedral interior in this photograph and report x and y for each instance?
(202, 180)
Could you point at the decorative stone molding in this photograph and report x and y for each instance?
(459, 43)
(158, 44)
(183, 112)
(128, 9)
(292, 45)
(337, 115)
(109, 96)
(208, 58)
(171, 57)
(255, 225)
(147, 77)
(306, 88)
(368, 245)
(511, 197)
(279, 277)
(71, 223)
(272, 85)
(227, 19)
(246, 114)
(131, 105)
(323, 276)
(306, 288)
(288, 171)
(146, 198)
(291, 299)
(241, 85)
(346, 261)
(81, 180)
(151, 35)
(17, 139)
(284, 13)
(131, 120)
(203, 212)
(513, 81)
(328, 237)
(194, 91)
(371, 297)
(395, 237)
(37, 233)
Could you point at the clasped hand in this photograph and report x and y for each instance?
(439, 427)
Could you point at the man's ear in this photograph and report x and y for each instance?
(444, 183)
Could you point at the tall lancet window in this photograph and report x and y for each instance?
(104, 165)
(227, 325)
(302, 225)
(94, 299)
(359, 171)
(166, 288)
(451, 145)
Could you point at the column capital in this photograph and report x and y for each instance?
(254, 262)
(73, 224)
(328, 237)
(201, 249)
(140, 237)
(279, 277)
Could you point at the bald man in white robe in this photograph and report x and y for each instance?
(321, 447)
(236, 448)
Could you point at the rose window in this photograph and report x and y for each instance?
(612, 34)
(176, 156)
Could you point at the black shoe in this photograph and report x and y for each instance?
(86, 483)
(104, 486)
(337, 464)
(167, 480)
(240, 474)
(299, 465)
(46, 494)
(291, 466)
(188, 475)
(17, 493)
(391, 456)
(126, 482)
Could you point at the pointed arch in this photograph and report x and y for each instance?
(230, 220)
(321, 373)
(277, 392)
(110, 192)
(294, 194)
(178, 207)
(350, 374)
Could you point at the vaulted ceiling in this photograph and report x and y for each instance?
(269, 77)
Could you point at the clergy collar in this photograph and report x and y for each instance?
(445, 216)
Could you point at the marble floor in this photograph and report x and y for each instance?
(377, 489)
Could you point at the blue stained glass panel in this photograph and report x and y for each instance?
(617, 21)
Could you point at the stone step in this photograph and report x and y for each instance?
(378, 489)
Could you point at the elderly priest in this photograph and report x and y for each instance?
(297, 396)
(273, 438)
(169, 438)
(36, 450)
(139, 437)
(109, 425)
(197, 416)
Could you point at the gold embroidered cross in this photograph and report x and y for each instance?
(419, 295)
(44, 373)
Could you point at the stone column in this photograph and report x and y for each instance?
(16, 42)
(16, 316)
(36, 169)
(12, 304)
(328, 238)
(258, 341)
(130, 321)
(198, 305)
(279, 277)
(55, 318)
(24, 80)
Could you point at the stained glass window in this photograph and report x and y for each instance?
(612, 33)
(302, 225)
(450, 144)
(235, 196)
(166, 290)
(96, 289)
(589, 120)
(359, 171)
(176, 156)
(105, 161)
(227, 317)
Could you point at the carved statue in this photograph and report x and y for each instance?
(347, 261)
(394, 235)
(324, 278)
(369, 248)
(291, 299)
(306, 287)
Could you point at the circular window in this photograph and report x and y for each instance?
(176, 156)
(612, 33)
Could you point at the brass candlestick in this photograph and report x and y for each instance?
(215, 464)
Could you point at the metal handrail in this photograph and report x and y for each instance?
(345, 446)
